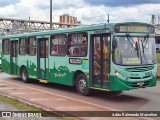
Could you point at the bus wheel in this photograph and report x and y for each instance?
(24, 75)
(81, 85)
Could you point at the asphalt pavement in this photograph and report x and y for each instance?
(57, 99)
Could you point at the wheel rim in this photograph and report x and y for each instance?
(82, 85)
(24, 75)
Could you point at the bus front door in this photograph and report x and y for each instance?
(42, 58)
(100, 60)
(13, 58)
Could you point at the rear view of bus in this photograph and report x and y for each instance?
(133, 57)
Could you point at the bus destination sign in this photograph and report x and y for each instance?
(135, 28)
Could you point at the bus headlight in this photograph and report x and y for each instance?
(118, 74)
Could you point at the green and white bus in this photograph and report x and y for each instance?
(111, 57)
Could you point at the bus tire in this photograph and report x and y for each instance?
(24, 75)
(82, 85)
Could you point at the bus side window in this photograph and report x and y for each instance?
(77, 45)
(58, 45)
(72, 50)
(32, 46)
(73, 45)
(6, 47)
(62, 49)
(83, 48)
(54, 50)
(22, 46)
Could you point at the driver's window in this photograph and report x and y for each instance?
(114, 49)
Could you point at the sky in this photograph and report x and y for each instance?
(87, 11)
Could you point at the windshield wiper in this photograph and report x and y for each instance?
(145, 41)
(131, 41)
(137, 49)
(142, 46)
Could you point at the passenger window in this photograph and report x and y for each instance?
(6, 47)
(77, 45)
(32, 46)
(58, 45)
(22, 46)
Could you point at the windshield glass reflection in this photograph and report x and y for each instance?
(134, 50)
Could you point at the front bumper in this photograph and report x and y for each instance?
(117, 84)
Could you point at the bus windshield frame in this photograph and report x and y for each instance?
(133, 50)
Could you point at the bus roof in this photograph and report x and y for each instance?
(68, 30)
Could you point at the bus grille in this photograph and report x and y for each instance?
(139, 77)
(139, 69)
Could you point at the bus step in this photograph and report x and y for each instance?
(99, 89)
(43, 81)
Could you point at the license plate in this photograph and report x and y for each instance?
(140, 83)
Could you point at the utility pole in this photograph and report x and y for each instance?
(108, 18)
(50, 14)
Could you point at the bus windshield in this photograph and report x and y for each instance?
(134, 50)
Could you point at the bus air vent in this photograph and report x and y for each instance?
(139, 69)
(139, 77)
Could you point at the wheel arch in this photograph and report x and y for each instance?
(75, 75)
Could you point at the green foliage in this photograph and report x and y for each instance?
(158, 51)
(25, 107)
(18, 105)
(158, 57)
